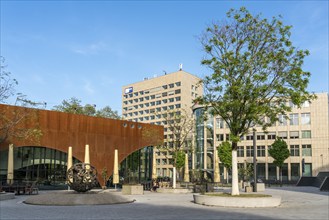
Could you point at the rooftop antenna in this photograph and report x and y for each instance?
(180, 67)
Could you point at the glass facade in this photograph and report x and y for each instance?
(48, 166)
(199, 149)
(137, 167)
(44, 165)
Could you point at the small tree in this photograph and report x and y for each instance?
(280, 152)
(246, 172)
(105, 176)
(180, 159)
(225, 155)
(178, 138)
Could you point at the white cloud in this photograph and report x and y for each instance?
(90, 49)
(88, 88)
(37, 79)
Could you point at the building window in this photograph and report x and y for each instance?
(178, 99)
(260, 151)
(178, 83)
(306, 118)
(306, 150)
(171, 85)
(306, 104)
(240, 151)
(249, 137)
(294, 134)
(282, 120)
(158, 102)
(294, 150)
(220, 137)
(294, 119)
(282, 134)
(177, 91)
(250, 151)
(219, 123)
(178, 105)
(271, 136)
(306, 134)
(260, 136)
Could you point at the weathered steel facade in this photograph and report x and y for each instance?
(61, 130)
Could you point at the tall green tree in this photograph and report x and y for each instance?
(280, 152)
(256, 70)
(107, 112)
(225, 155)
(72, 105)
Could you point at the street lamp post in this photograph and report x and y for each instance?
(255, 160)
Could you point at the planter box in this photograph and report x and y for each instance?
(237, 201)
(248, 189)
(260, 187)
(132, 190)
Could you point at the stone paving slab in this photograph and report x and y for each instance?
(297, 203)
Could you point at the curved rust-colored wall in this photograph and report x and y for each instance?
(61, 130)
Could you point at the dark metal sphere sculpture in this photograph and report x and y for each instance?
(82, 177)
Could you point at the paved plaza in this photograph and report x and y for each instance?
(297, 203)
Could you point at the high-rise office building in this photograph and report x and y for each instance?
(144, 101)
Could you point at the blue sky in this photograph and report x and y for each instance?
(90, 49)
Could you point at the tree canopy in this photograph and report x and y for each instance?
(7, 83)
(73, 105)
(225, 155)
(279, 151)
(11, 120)
(256, 70)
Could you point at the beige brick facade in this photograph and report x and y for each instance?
(306, 133)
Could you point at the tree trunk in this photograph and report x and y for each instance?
(235, 180)
(174, 178)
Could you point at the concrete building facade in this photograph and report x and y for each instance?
(306, 132)
(145, 102)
